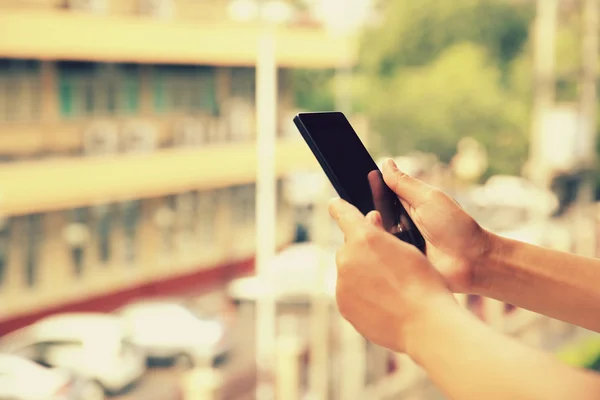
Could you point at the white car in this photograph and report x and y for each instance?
(23, 379)
(515, 191)
(177, 331)
(297, 273)
(90, 344)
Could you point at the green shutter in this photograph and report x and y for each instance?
(66, 96)
(132, 94)
(160, 101)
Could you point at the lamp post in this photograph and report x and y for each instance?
(343, 19)
(268, 14)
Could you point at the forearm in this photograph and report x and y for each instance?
(468, 360)
(560, 285)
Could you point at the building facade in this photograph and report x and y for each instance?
(127, 157)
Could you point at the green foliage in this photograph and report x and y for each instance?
(436, 71)
(432, 108)
(313, 89)
(416, 32)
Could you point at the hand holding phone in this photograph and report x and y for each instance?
(353, 173)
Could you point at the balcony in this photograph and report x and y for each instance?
(56, 184)
(48, 34)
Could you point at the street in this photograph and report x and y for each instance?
(164, 383)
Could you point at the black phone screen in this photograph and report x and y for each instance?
(353, 173)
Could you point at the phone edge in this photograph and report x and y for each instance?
(321, 159)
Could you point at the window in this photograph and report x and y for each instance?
(189, 89)
(207, 208)
(185, 215)
(164, 220)
(244, 204)
(19, 90)
(5, 225)
(103, 228)
(241, 104)
(240, 119)
(77, 236)
(96, 89)
(243, 83)
(131, 216)
(34, 231)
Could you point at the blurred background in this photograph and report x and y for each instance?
(163, 227)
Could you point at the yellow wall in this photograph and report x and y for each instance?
(57, 283)
(76, 36)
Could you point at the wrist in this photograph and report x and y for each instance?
(425, 324)
(482, 268)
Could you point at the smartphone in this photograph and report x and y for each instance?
(353, 173)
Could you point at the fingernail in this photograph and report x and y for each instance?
(375, 218)
(392, 164)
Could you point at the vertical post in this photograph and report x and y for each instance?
(353, 357)
(266, 125)
(320, 321)
(289, 354)
(585, 243)
(544, 60)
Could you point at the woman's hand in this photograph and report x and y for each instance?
(456, 244)
(384, 285)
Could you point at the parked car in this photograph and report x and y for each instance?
(515, 191)
(23, 379)
(178, 331)
(297, 274)
(90, 344)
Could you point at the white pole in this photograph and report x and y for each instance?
(320, 319)
(289, 354)
(353, 357)
(266, 125)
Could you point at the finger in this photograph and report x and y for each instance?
(381, 198)
(411, 190)
(374, 218)
(408, 208)
(348, 218)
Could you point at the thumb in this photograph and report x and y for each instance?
(411, 190)
(374, 218)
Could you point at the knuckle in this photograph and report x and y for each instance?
(368, 236)
(341, 258)
(400, 177)
(434, 196)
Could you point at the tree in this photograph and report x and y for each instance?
(313, 89)
(431, 108)
(436, 71)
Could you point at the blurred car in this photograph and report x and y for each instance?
(178, 331)
(90, 344)
(23, 379)
(515, 191)
(297, 273)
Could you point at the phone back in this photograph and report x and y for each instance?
(353, 172)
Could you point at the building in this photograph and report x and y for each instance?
(126, 146)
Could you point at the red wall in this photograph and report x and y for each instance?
(195, 282)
